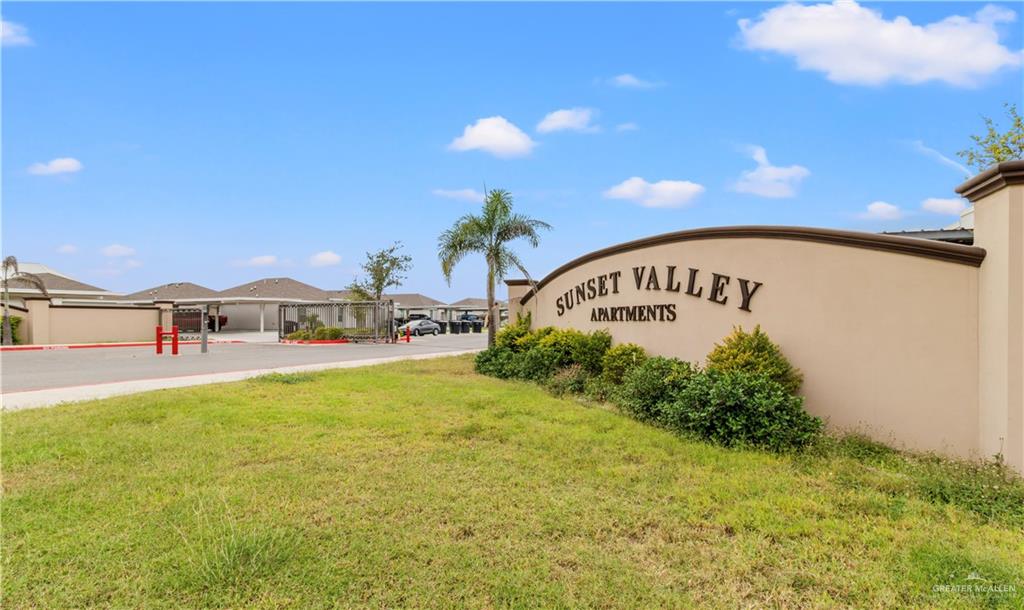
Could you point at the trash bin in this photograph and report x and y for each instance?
(466, 326)
(443, 327)
(455, 327)
(478, 326)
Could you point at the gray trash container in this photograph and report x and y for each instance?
(466, 326)
(455, 327)
(443, 329)
(478, 326)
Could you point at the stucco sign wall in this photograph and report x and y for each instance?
(884, 328)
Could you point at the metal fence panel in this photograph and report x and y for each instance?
(355, 320)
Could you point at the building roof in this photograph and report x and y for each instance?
(55, 284)
(284, 288)
(413, 299)
(172, 292)
(344, 295)
(955, 236)
(472, 303)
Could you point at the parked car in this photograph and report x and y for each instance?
(420, 327)
(470, 317)
(211, 325)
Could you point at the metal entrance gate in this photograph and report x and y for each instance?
(354, 320)
(190, 321)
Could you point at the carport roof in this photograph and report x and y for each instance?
(172, 292)
(413, 299)
(284, 288)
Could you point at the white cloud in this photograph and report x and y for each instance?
(61, 165)
(855, 45)
(117, 250)
(14, 34)
(470, 195)
(627, 127)
(881, 210)
(628, 81)
(769, 180)
(67, 249)
(569, 119)
(920, 147)
(661, 194)
(132, 264)
(324, 259)
(265, 260)
(495, 135)
(951, 207)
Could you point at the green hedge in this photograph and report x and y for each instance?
(745, 397)
(328, 333)
(15, 324)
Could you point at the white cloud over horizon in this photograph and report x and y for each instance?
(661, 194)
(881, 210)
(569, 119)
(768, 180)
(949, 207)
(470, 195)
(67, 249)
(14, 34)
(327, 258)
(629, 81)
(495, 135)
(117, 250)
(855, 45)
(60, 165)
(263, 260)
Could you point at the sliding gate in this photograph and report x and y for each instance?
(354, 320)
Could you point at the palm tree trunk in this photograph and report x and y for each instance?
(7, 337)
(492, 326)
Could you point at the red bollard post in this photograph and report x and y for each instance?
(408, 336)
(174, 340)
(159, 340)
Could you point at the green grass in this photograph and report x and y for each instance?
(422, 484)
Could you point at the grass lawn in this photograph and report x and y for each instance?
(422, 484)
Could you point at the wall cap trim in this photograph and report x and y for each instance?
(997, 177)
(912, 246)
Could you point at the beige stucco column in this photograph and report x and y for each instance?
(998, 197)
(516, 290)
(166, 313)
(38, 332)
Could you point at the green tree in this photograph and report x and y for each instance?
(384, 269)
(10, 273)
(995, 147)
(489, 233)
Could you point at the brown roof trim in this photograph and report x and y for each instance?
(992, 179)
(110, 307)
(937, 250)
(517, 282)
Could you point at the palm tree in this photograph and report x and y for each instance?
(10, 272)
(489, 233)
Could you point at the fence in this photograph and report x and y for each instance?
(357, 320)
(189, 321)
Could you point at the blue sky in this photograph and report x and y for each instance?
(220, 143)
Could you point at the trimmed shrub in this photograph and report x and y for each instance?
(568, 380)
(537, 364)
(299, 335)
(531, 339)
(563, 342)
(621, 359)
(511, 333)
(328, 333)
(497, 362)
(15, 323)
(597, 388)
(648, 387)
(754, 352)
(590, 349)
(740, 408)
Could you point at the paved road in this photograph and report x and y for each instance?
(36, 378)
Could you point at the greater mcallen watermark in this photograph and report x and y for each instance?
(975, 583)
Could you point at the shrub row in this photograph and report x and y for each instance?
(746, 395)
(327, 333)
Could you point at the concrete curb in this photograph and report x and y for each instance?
(32, 399)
